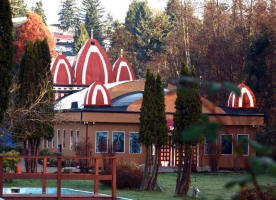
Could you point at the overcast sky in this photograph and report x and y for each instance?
(117, 8)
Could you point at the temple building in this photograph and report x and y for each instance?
(99, 104)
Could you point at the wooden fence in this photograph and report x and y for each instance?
(59, 176)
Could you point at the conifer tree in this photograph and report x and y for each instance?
(18, 8)
(188, 111)
(67, 15)
(81, 38)
(92, 14)
(6, 55)
(38, 9)
(34, 100)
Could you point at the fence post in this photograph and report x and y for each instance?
(114, 184)
(59, 179)
(96, 181)
(44, 173)
(1, 176)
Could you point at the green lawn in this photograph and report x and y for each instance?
(211, 186)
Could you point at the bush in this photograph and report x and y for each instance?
(10, 164)
(129, 176)
(50, 161)
(250, 194)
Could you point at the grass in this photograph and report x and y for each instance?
(211, 186)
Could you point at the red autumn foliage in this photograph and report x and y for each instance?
(33, 29)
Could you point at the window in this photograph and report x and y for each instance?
(208, 146)
(118, 142)
(63, 139)
(48, 143)
(101, 142)
(134, 144)
(53, 142)
(77, 137)
(71, 139)
(242, 141)
(226, 144)
(58, 138)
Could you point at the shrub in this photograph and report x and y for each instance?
(50, 161)
(250, 194)
(129, 176)
(10, 164)
(84, 149)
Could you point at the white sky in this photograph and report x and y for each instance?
(117, 8)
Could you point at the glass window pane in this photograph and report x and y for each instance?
(243, 144)
(118, 142)
(226, 144)
(53, 142)
(77, 138)
(71, 139)
(63, 139)
(134, 144)
(101, 142)
(58, 138)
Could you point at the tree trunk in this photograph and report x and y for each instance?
(180, 166)
(154, 171)
(31, 150)
(146, 169)
(185, 176)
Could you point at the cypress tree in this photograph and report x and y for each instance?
(35, 99)
(188, 111)
(6, 56)
(81, 39)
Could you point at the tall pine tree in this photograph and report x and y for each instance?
(6, 55)
(92, 15)
(188, 111)
(34, 100)
(67, 15)
(38, 9)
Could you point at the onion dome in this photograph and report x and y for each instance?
(97, 95)
(62, 71)
(246, 100)
(92, 64)
(122, 71)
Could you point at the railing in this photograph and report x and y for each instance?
(59, 176)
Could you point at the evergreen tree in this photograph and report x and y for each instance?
(34, 100)
(67, 15)
(92, 14)
(188, 111)
(81, 39)
(18, 8)
(38, 9)
(6, 56)
(260, 74)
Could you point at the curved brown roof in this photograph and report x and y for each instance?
(207, 106)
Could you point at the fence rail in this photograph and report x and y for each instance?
(59, 176)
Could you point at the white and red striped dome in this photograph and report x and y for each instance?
(62, 71)
(246, 100)
(97, 95)
(92, 64)
(122, 71)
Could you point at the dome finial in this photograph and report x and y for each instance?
(92, 33)
(122, 53)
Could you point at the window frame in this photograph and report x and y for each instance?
(248, 153)
(221, 145)
(106, 141)
(129, 143)
(124, 141)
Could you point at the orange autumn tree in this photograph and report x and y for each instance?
(32, 30)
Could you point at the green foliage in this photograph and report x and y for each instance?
(34, 97)
(6, 56)
(188, 106)
(38, 9)
(18, 8)
(260, 75)
(67, 15)
(147, 111)
(82, 38)
(92, 14)
(9, 164)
